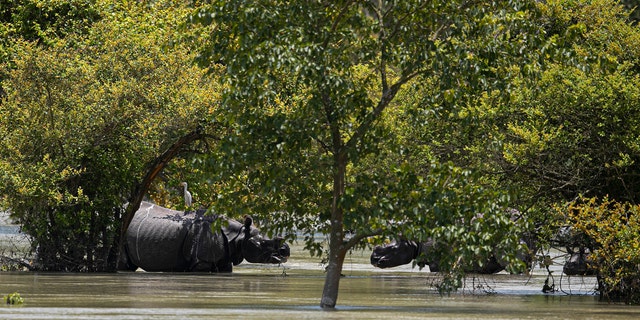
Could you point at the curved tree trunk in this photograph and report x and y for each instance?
(141, 189)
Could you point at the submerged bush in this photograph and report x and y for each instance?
(614, 228)
(13, 298)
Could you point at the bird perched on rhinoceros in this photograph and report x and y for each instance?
(161, 239)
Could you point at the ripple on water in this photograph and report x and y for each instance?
(264, 292)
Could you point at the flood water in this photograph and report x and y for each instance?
(293, 291)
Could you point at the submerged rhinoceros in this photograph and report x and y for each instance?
(404, 251)
(161, 239)
(579, 263)
(577, 245)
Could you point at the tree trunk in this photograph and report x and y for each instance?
(337, 253)
(337, 249)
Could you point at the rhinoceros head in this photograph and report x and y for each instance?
(252, 246)
(394, 254)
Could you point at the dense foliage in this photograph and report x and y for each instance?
(576, 136)
(569, 127)
(347, 122)
(312, 88)
(632, 6)
(615, 230)
(83, 119)
(577, 132)
(42, 21)
(45, 21)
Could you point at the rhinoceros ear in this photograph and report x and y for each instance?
(247, 222)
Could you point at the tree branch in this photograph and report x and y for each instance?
(386, 98)
(335, 23)
(153, 169)
(359, 237)
(6, 260)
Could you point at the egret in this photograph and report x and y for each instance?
(187, 195)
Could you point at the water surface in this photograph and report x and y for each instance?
(293, 292)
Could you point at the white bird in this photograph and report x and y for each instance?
(187, 195)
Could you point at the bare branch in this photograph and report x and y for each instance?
(359, 237)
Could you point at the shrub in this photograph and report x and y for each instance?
(614, 227)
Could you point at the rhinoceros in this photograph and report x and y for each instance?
(579, 263)
(577, 245)
(161, 239)
(404, 251)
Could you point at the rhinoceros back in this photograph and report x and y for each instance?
(155, 239)
(161, 239)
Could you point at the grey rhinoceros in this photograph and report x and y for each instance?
(578, 248)
(404, 251)
(579, 264)
(161, 239)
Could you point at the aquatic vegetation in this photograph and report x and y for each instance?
(13, 298)
(614, 227)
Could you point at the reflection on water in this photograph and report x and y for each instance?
(265, 292)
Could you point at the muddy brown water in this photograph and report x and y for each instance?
(293, 291)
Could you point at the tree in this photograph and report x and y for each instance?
(576, 133)
(42, 21)
(576, 137)
(571, 135)
(90, 120)
(564, 135)
(312, 86)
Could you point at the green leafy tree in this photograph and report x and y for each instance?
(88, 123)
(574, 133)
(42, 21)
(314, 90)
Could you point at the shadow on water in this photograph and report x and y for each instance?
(293, 292)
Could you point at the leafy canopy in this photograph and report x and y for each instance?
(317, 93)
(82, 120)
